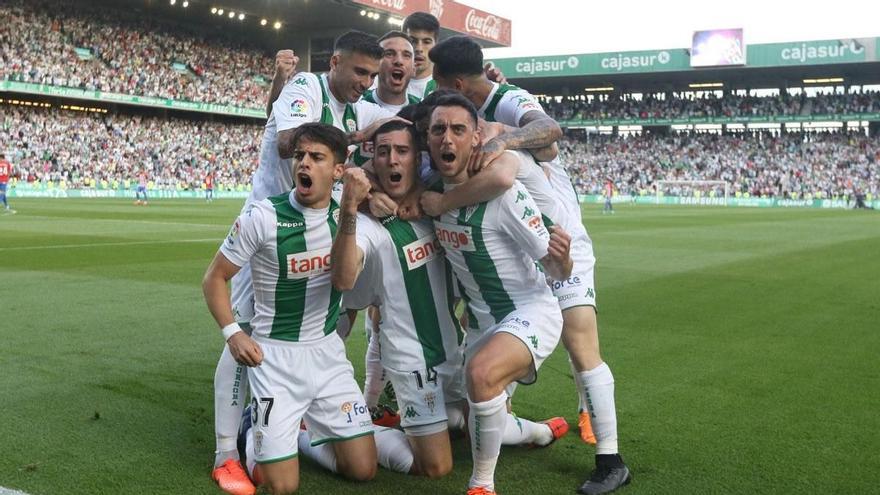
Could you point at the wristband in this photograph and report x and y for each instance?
(230, 330)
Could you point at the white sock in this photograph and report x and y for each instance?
(599, 390)
(579, 385)
(251, 461)
(230, 396)
(486, 423)
(518, 431)
(455, 419)
(374, 381)
(323, 454)
(393, 450)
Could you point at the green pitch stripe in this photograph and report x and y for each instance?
(290, 294)
(419, 294)
(482, 267)
(335, 295)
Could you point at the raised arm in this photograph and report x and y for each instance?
(285, 68)
(346, 258)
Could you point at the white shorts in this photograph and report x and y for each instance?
(304, 380)
(578, 289)
(538, 327)
(242, 295)
(422, 395)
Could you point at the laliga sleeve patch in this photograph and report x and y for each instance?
(299, 108)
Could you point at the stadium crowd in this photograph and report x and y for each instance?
(126, 54)
(102, 149)
(69, 149)
(710, 105)
(759, 164)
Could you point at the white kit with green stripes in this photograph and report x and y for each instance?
(407, 277)
(288, 248)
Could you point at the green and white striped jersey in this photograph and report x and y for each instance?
(407, 277)
(420, 88)
(288, 248)
(493, 248)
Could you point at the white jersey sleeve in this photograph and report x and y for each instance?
(299, 102)
(520, 218)
(247, 235)
(514, 104)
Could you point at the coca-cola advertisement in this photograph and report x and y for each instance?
(452, 15)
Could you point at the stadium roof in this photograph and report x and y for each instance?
(308, 18)
(773, 65)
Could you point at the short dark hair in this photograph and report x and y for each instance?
(327, 135)
(358, 42)
(422, 21)
(456, 100)
(397, 125)
(395, 34)
(457, 56)
(426, 107)
(409, 112)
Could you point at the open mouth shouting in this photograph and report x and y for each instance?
(395, 177)
(303, 183)
(397, 76)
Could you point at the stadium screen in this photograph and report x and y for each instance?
(718, 47)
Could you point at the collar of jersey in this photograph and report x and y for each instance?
(305, 210)
(482, 110)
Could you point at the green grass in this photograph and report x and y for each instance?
(744, 343)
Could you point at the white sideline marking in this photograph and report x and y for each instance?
(100, 244)
(10, 491)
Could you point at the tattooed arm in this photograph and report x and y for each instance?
(536, 130)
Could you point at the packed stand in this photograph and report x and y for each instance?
(131, 55)
(792, 165)
(60, 148)
(710, 105)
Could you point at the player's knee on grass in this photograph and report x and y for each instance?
(432, 454)
(280, 478)
(356, 458)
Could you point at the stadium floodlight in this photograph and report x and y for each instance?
(363, 13)
(172, 2)
(213, 10)
(240, 17)
(824, 80)
(231, 14)
(277, 25)
(263, 22)
(185, 4)
(220, 12)
(394, 21)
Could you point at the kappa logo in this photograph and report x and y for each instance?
(421, 251)
(301, 81)
(456, 237)
(590, 293)
(308, 264)
(534, 340)
(411, 412)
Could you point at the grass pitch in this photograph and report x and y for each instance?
(744, 343)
